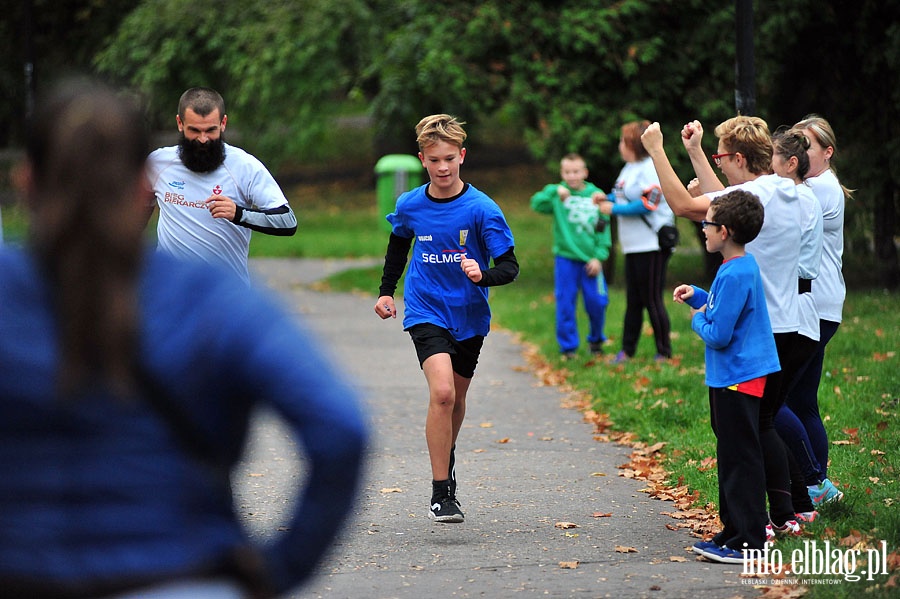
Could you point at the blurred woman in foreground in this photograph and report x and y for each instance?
(125, 397)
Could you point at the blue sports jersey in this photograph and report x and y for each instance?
(437, 291)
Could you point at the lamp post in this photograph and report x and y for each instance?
(745, 75)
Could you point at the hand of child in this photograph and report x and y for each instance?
(563, 192)
(606, 207)
(682, 293)
(471, 268)
(593, 267)
(598, 197)
(385, 308)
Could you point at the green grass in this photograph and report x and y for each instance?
(859, 395)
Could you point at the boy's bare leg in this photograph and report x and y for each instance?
(444, 416)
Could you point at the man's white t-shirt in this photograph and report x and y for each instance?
(186, 229)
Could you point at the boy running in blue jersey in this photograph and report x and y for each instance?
(733, 321)
(455, 231)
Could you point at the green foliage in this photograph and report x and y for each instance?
(564, 75)
(285, 68)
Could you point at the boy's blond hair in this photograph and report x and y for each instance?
(440, 127)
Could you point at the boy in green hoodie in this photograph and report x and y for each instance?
(581, 242)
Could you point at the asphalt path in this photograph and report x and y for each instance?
(526, 464)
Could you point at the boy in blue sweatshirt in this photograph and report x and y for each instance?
(733, 321)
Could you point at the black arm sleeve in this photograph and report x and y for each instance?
(394, 263)
(274, 221)
(506, 269)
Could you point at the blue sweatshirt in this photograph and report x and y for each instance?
(97, 489)
(740, 345)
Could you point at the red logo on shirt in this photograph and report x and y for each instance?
(217, 190)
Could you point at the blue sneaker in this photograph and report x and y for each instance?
(824, 492)
(701, 546)
(723, 555)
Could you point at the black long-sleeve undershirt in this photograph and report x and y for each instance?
(505, 269)
(273, 221)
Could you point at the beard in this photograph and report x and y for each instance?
(202, 157)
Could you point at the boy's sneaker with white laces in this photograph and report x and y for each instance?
(723, 555)
(824, 492)
(444, 507)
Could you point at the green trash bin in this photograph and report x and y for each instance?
(395, 173)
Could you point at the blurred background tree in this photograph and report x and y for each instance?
(549, 76)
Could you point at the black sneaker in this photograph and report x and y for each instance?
(445, 509)
(596, 348)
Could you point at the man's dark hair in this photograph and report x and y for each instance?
(202, 100)
(741, 212)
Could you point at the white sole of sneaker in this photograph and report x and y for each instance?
(722, 560)
(446, 519)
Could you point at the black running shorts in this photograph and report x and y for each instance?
(431, 339)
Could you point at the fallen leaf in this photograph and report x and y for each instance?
(503, 440)
(602, 514)
(624, 549)
(391, 490)
(707, 464)
(598, 474)
(677, 558)
(568, 565)
(565, 525)
(572, 535)
(487, 425)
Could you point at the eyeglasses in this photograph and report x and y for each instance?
(718, 157)
(708, 223)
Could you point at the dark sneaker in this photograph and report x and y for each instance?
(568, 355)
(596, 348)
(445, 509)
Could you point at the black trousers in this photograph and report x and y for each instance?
(645, 279)
(793, 351)
(742, 496)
